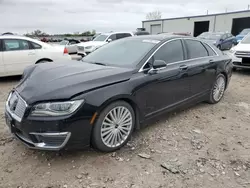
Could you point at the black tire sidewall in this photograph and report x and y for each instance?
(211, 99)
(96, 133)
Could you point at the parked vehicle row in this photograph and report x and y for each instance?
(102, 99)
(222, 40)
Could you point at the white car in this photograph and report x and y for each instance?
(71, 45)
(100, 40)
(241, 54)
(18, 52)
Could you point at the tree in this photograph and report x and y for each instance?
(153, 15)
(93, 32)
(38, 33)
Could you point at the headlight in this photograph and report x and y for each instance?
(89, 47)
(232, 50)
(56, 108)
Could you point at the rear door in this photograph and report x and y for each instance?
(201, 66)
(17, 55)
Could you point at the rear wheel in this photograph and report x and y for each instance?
(218, 89)
(113, 127)
(219, 46)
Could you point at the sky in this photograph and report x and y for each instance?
(68, 16)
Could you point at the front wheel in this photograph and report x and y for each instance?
(218, 89)
(113, 127)
(219, 46)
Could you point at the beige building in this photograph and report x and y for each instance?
(233, 22)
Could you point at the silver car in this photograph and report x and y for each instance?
(71, 45)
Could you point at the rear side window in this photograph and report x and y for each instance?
(195, 49)
(113, 37)
(210, 50)
(36, 46)
(15, 45)
(170, 52)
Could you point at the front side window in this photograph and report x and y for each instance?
(112, 37)
(15, 44)
(170, 52)
(122, 35)
(195, 49)
(101, 38)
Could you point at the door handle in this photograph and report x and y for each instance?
(31, 53)
(211, 61)
(183, 67)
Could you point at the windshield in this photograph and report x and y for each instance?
(210, 36)
(246, 39)
(64, 42)
(101, 38)
(123, 52)
(245, 32)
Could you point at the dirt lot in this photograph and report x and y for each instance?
(204, 146)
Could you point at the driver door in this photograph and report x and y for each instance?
(169, 86)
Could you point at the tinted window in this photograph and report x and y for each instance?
(170, 52)
(122, 35)
(113, 37)
(209, 49)
(36, 46)
(195, 49)
(14, 44)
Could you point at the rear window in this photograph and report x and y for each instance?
(210, 50)
(195, 49)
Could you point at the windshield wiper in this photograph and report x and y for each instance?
(97, 63)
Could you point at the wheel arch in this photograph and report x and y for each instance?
(44, 59)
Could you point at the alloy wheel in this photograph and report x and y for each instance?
(219, 88)
(116, 126)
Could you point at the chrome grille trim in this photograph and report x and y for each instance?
(242, 54)
(20, 107)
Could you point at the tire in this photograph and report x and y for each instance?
(219, 46)
(234, 69)
(102, 139)
(218, 86)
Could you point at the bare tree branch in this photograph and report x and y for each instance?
(153, 15)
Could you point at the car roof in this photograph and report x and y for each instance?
(162, 37)
(109, 33)
(22, 37)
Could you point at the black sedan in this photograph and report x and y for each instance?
(103, 99)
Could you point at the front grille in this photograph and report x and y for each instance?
(242, 54)
(81, 48)
(16, 105)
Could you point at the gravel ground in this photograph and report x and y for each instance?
(203, 146)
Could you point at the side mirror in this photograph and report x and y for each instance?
(109, 40)
(221, 40)
(157, 65)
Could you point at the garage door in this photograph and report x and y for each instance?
(155, 29)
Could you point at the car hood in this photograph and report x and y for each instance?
(58, 81)
(92, 43)
(242, 47)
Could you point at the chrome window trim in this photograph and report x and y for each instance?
(141, 69)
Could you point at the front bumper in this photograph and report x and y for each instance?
(50, 133)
